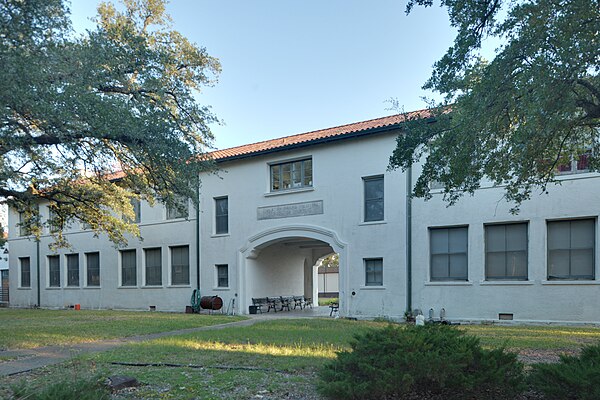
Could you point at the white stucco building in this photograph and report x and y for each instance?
(277, 207)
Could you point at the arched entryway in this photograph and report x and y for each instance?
(283, 261)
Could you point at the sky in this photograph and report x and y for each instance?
(296, 66)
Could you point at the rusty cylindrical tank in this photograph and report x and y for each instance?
(211, 302)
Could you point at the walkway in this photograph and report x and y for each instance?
(27, 360)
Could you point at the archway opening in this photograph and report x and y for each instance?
(287, 267)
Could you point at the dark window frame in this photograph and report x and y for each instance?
(173, 212)
(25, 273)
(73, 274)
(53, 271)
(180, 272)
(277, 174)
(128, 272)
(373, 200)
(373, 271)
(93, 273)
(153, 273)
(448, 277)
(570, 276)
(222, 278)
(221, 218)
(506, 276)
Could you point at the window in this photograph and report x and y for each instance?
(180, 265)
(222, 275)
(577, 164)
(571, 249)
(373, 198)
(153, 267)
(25, 265)
(54, 221)
(92, 262)
(221, 215)
(448, 247)
(178, 211)
(137, 211)
(291, 175)
(128, 268)
(53, 271)
(23, 230)
(72, 269)
(506, 252)
(374, 272)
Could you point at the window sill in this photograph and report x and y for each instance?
(573, 283)
(92, 287)
(506, 283)
(222, 289)
(372, 288)
(153, 287)
(53, 288)
(179, 286)
(72, 288)
(367, 223)
(449, 283)
(289, 191)
(219, 235)
(127, 287)
(24, 288)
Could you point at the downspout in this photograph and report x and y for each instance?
(409, 239)
(198, 235)
(37, 267)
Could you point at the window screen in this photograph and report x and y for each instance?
(222, 275)
(221, 215)
(72, 269)
(53, 271)
(128, 268)
(92, 261)
(571, 249)
(448, 247)
(506, 252)
(374, 272)
(374, 198)
(180, 265)
(153, 267)
(25, 271)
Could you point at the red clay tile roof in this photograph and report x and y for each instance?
(337, 132)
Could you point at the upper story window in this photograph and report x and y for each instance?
(23, 229)
(55, 222)
(180, 211)
(291, 175)
(374, 210)
(578, 164)
(221, 215)
(137, 211)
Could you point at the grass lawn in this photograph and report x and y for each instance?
(269, 360)
(21, 329)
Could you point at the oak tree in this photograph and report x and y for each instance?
(516, 119)
(90, 121)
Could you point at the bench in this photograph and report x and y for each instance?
(259, 303)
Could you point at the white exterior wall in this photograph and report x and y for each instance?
(262, 263)
(536, 299)
(156, 231)
(338, 169)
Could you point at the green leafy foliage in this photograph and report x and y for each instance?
(516, 118)
(71, 389)
(75, 109)
(433, 359)
(573, 378)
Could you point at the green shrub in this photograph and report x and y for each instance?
(76, 389)
(434, 359)
(573, 378)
